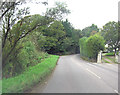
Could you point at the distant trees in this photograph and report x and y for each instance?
(110, 34)
(61, 38)
(91, 30)
(72, 34)
(54, 37)
(67, 28)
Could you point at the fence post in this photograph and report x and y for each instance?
(118, 57)
(99, 57)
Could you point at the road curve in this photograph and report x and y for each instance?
(74, 75)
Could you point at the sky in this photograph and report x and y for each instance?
(84, 13)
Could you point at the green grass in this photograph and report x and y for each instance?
(30, 77)
(111, 59)
(0, 87)
(110, 54)
(105, 61)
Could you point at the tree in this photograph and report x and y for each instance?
(95, 43)
(67, 46)
(90, 47)
(67, 28)
(73, 34)
(57, 12)
(76, 35)
(16, 27)
(87, 31)
(110, 34)
(5, 7)
(54, 37)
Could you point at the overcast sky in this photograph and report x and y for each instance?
(85, 12)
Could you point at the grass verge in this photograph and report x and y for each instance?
(30, 77)
(110, 54)
(111, 59)
(105, 61)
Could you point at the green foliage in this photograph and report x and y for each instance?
(30, 77)
(58, 12)
(54, 36)
(89, 47)
(111, 59)
(91, 30)
(95, 43)
(74, 35)
(110, 34)
(61, 38)
(111, 54)
(105, 61)
(68, 28)
(83, 47)
(15, 29)
(67, 46)
(26, 56)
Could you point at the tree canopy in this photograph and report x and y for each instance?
(90, 47)
(90, 30)
(110, 34)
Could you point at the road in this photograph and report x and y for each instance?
(74, 75)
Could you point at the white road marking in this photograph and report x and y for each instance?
(108, 64)
(93, 73)
(76, 62)
(92, 65)
(79, 64)
(116, 91)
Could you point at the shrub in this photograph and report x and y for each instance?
(83, 47)
(89, 47)
(95, 43)
(30, 77)
(27, 56)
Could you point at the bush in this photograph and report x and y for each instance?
(90, 47)
(95, 43)
(27, 56)
(83, 47)
(30, 77)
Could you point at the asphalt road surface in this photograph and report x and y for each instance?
(74, 75)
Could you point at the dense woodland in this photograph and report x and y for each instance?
(28, 39)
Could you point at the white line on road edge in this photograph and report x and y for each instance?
(93, 73)
(116, 91)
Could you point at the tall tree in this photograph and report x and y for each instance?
(15, 26)
(54, 37)
(110, 34)
(87, 31)
(73, 35)
(68, 28)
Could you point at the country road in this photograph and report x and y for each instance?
(74, 75)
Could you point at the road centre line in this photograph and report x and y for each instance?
(90, 71)
(93, 73)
